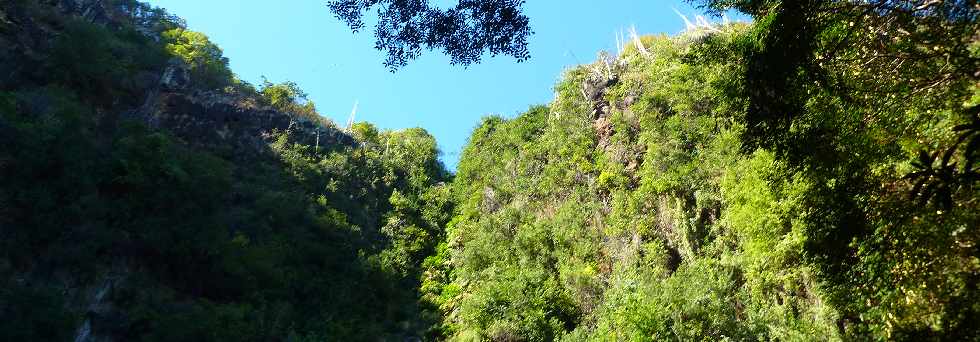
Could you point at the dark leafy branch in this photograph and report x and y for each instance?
(464, 32)
(938, 179)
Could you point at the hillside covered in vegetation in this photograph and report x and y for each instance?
(147, 194)
(811, 175)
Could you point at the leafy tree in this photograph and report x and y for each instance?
(205, 59)
(288, 97)
(145, 15)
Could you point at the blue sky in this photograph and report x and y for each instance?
(301, 41)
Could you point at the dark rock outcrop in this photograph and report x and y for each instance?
(95, 11)
(215, 120)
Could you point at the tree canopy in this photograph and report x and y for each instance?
(464, 32)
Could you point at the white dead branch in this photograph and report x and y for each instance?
(350, 120)
(635, 37)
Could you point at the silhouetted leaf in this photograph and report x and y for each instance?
(946, 158)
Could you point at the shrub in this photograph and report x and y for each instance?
(208, 66)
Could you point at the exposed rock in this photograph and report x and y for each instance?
(91, 10)
(176, 76)
(595, 91)
(490, 201)
(595, 88)
(213, 120)
(604, 130)
(628, 101)
(102, 319)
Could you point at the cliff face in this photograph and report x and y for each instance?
(220, 120)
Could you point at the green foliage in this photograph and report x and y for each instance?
(727, 187)
(206, 61)
(747, 182)
(288, 97)
(145, 15)
(507, 247)
(197, 243)
(390, 191)
(115, 64)
(153, 202)
(464, 32)
(937, 177)
(34, 313)
(285, 96)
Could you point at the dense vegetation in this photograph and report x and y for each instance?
(806, 177)
(809, 176)
(198, 244)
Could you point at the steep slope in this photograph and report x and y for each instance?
(146, 194)
(639, 205)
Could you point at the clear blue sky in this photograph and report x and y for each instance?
(301, 41)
